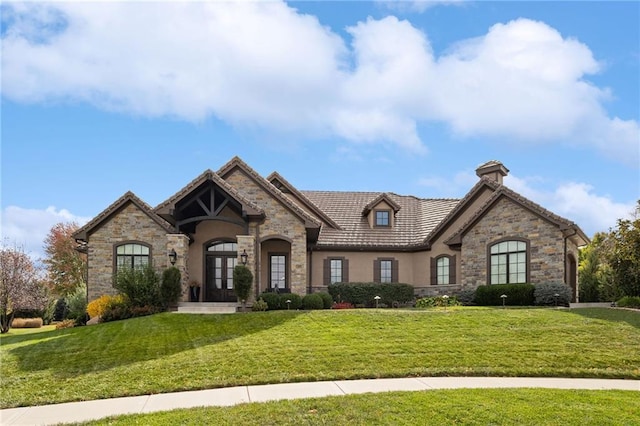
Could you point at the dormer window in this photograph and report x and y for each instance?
(382, 218)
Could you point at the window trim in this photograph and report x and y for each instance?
(527, 242)
(375, 218)
(122, 243)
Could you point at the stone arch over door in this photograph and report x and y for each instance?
(276, 260)
(572, 276)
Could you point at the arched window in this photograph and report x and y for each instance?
(508, 262)
(132, 255)
(443, 270)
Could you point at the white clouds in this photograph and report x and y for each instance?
(263, 64)
(29, 227)
(575, 201)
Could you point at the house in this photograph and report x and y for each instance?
(301, 241)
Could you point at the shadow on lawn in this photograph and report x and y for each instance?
(82, 350)
(632, 317)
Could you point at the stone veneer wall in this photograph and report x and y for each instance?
(508, 219)
(279, 221)
(128, 224)
(180, 243)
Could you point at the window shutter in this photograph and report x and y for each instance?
(326, 275)
(394, 271)
(434, 272)
(376, 271)
(345, 270)
(452, 270)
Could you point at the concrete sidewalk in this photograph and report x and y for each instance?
(90, 410)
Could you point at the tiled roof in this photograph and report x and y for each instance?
(81, 234)
(414, 220)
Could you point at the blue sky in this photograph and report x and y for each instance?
(407, 97)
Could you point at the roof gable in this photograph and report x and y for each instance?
(284, 186)
(504, 192)
(251, 209)
(380, 198)
(106, 214)
(237, 163)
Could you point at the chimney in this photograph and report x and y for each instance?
(493, 170)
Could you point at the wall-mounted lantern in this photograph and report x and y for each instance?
(244, 257)
(173, 256)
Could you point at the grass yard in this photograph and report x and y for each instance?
(171, 352)
(463, 406)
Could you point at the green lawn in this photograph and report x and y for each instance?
(440, 407)
(171, 352)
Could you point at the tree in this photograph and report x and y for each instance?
(20, 288)
(242, 283)
(66, 266)
(171, 286)
(624, 257)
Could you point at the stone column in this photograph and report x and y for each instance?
(180, 243)
(247, 243)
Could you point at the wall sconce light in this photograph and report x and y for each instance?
(173, 256)
(244, 257)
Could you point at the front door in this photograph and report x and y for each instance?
(219, 278)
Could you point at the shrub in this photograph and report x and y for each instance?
(26, 323)
(77, 303)
(272, 300)
(312, 301)
(171, 286)
(140, 285)
(517, 295)
(143, 311)
(342, 305)
(61, 310)
(259, 305)
(364, 293)
(466, 296)
(242, 283)
(296, 301)
(117, 309)
(96, 307)
(437, 301)
(545, 294)
(68, 323)
(629, 302)
(327, 300)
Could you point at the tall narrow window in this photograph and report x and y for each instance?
(336, 271)
(132, 256)
(278, 271)
(385, 270)
(442, 268)
(508, 262)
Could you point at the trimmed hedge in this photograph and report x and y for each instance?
(364, 293)
(272, 300)
(545, 294)
(517, 295)
(312, 301)
(296, 301)
(629, 302)
(327, 300)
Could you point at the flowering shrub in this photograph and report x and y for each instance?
(342, 305)
(431, 302)
(97, 307)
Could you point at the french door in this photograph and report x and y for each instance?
(219, 278)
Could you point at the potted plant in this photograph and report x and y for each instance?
(194, 291)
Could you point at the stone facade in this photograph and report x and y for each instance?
(279, 222)
(509, 220)
(129, 224)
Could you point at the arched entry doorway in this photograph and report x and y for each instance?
(221, 257)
